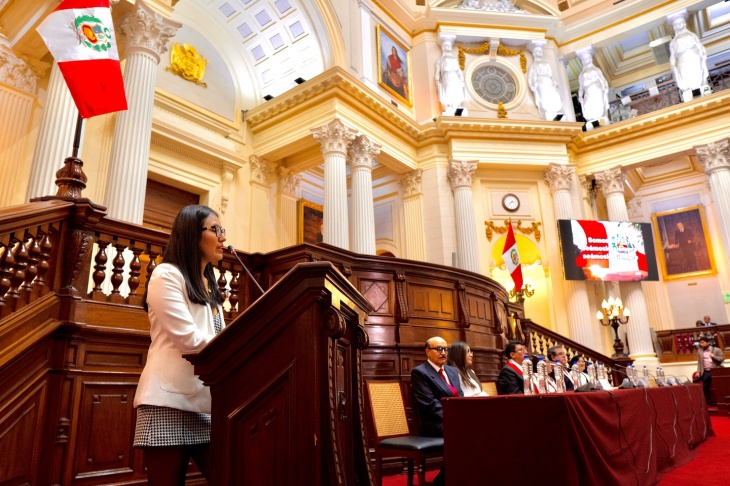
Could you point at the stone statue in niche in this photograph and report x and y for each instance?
(543, 86)
(688, 57)
(593, 91)
(449, 78)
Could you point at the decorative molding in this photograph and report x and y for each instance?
(288, 182)
(334, 137)
(634, 208)
(534, 228)
(559, 177)
(714, 156)
(460, 173)
(227, 174)
(411, 183)
(16, 72)
(149, 30)
(611, 181)
(504, 6)
(260, 170)
(362, 151)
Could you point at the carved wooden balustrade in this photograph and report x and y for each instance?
(678, 345)
(539, 339)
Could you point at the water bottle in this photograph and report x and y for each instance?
(601, 372)
(559, 379)
(575, 374)
(645, 373)
(527, 375)
(541, 374)
(591, 371)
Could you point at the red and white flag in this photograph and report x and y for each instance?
(80, 36)
(511, 258)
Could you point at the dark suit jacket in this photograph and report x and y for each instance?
(510, 382)
(428, 389)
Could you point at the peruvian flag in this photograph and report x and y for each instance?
(511, 258)
(80, 36)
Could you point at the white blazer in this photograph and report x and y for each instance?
(177, 327)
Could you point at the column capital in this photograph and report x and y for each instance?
(260, 170)
(147, 29)
(411, 183)
(634, 208)
(362, 151)
(17, 72)
(334, 137)
(611, 181)
(288, 182)
(714, 156)
(460, 173)
(559, 177)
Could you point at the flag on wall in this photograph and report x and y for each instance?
(511, 258)
(80, 36)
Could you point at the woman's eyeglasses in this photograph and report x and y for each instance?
(219, 231)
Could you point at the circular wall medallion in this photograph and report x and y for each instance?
(494, 84)
(511, 203)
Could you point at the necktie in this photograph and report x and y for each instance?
(454, 391)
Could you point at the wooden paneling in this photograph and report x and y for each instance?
(162, 203)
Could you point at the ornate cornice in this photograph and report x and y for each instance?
(559, 177)
(334, 137)
(148, 30)
(714, 156)
(411, 183)
(611, 181)
(460, 173)
(362, 152)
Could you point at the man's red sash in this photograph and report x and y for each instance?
(515, 367)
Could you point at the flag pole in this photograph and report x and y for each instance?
(77, 136)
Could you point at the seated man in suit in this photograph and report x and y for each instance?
(510, 376)
(431, 381)
(558, 353)
(708, 321)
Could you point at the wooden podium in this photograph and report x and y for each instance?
(721, 388)
(286, 385)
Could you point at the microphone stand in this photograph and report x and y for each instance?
(233, 251)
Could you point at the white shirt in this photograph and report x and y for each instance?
(438, 368)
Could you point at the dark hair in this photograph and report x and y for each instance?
(553, 351)
(700, 323)
(574, 359)
(457, 359)
(510, 348)
(707, 339)
(183, 251)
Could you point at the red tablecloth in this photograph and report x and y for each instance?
(600, 438)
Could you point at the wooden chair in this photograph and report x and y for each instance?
(490, 388)
(391, 430)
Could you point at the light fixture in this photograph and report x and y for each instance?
(525, 292)
(615, 314)
(268, 97)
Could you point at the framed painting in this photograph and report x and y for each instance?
(310, 221)
(684, 247)
(394, 66)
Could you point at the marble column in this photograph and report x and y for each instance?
(288, 186)
(611, 183)
(413, 215)
(147, 34)
(55, 137)
(715, 160)
(17, 95)
(335, 138)
(460, 176)
(362, 152)
(260, 218)
(580, 322)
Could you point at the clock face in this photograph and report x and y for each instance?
(510, 202)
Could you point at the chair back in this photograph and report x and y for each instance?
(490, 388)
(387, 409)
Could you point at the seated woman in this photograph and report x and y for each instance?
(461, 358)
(581, 362)
(700, 323)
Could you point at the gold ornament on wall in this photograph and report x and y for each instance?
(534, 228)
(484, 49)
(501, 112)
(187, 63)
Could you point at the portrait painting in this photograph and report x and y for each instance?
(394, 66)
(684, 247)
(310, 222)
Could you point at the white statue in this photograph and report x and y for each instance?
(688, 57)
(449, 78)
(593, 92)
(543, 86)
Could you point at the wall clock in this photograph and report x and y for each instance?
(511, 203)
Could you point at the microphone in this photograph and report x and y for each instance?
(232, 250)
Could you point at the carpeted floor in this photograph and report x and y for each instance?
(711, 467)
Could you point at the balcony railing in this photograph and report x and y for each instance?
(678, 345)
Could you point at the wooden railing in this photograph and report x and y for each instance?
(539, 339)
(677, 345)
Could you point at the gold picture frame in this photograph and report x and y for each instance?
(310, 221)
(394, 66)
(683, 243)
